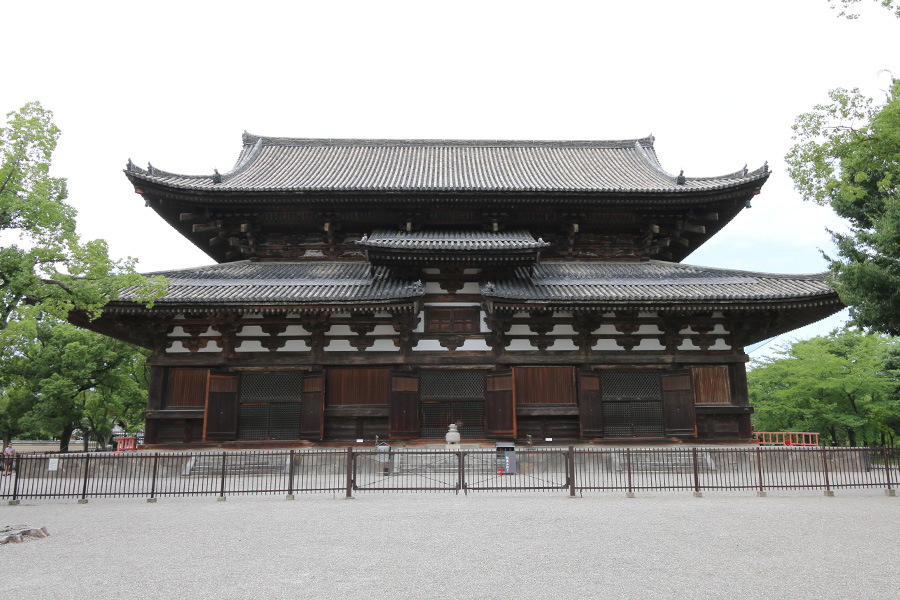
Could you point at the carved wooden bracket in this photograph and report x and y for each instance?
(361, 343)
(452, 342)
(541, 342)
(628, 342)
(194, 344)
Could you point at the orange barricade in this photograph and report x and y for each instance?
(787, 438)
(126, 444)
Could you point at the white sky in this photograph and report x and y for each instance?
(176, 83)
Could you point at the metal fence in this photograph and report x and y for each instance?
(349, 471)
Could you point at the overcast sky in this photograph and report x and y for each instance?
(176, 83)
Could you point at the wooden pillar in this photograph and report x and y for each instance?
(740, 396)
(156, 388)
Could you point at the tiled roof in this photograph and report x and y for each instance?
(452, 240)
(310, 165)
(653, 281)
(593, 284)
(295, 283)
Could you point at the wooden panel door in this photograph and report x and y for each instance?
(220, 417)
(590, 408)
(312, 407)
(403, 422)
(678, 404)
(500, 406)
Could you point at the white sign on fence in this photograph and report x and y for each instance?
(52, 464)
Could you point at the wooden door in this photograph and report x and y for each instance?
(403, 422)
(220, 415)
(590, 407)
(312, 407)
(678, 404)
(500, 406)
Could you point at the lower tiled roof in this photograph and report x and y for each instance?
(248, 282)
(652, 281)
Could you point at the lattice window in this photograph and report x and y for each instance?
(284, 421)
(253, 422)
(630, 384)
(271, 387)
(635, 418)
(451, 384)
(436, 415)
(269, 421)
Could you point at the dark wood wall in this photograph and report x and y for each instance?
(370, 386)
(544, 385)
(187, 388)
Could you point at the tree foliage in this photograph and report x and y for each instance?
(57, 378)
(843, 386)
(43, 261)
(847, 156)
(846, 12)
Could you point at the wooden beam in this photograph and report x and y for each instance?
(189, 217)
(694, 228)
(202, 227)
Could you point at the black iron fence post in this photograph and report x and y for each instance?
(761, 492)
(18, 467)
(350, 469)
(87, 467)
(696, 474)
(152, 497)
(221, 497)
(828, 491)
(570, 463)
(291, 475)
(630, 492)
(460, 471)
(887, 471)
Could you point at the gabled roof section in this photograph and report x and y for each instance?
(271, 164)
(660, 284)
(257, 283)
(450, 241)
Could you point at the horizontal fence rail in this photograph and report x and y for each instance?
(349, 471)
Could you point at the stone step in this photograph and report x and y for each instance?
(211, 464)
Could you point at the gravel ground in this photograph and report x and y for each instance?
(672, 545)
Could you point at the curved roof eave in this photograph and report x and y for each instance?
(296, 165)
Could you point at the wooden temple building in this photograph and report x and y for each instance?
(390, 288)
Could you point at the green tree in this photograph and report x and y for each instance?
(49, 267)
(846, 4)
(847, 156)
(840, 386)
(67, 378)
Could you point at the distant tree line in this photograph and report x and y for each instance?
(845, 386)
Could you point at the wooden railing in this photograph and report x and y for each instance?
(787, 438)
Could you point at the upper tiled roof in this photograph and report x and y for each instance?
(327, 165)
(653, 281)
(293, 283)
(480, 241)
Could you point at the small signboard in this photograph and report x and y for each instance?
(52, 464)
(509, 462)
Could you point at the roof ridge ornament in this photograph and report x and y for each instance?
(217, 178)
(744, 170)
(150, 168)
(680, 179)
(129, 166)
(766, 167)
